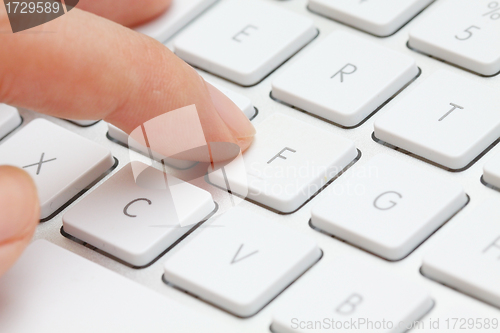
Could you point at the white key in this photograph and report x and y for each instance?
(344, 79)
(448, 119)
(179, 14)
(124, 139)
(491, 171)
(61, 163)
(468, 258)
(149, 218)
(85, 297)
(244, 40)
(242, 262)
(242, 102)
(463, 32)
(287, 163)
(380, 18)
(9, 119)
(349, 296)
(392, 208)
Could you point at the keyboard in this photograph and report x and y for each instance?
(369, 200)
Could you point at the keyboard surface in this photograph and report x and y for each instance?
(397, 273)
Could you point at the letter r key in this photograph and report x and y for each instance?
(347, 70)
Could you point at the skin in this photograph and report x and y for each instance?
(87, 65)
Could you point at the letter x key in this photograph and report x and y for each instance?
(39, 163)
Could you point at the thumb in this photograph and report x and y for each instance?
(19, 214)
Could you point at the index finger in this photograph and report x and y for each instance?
(126, 12)
(92, 68)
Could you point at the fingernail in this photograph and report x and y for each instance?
(241, 128)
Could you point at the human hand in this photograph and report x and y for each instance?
(82, 66)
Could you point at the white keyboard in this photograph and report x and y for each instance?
(386, 146)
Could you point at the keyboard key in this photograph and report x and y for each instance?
(380, 18)
(398, 207)
(344, 79)
(53, 290)
(448, 119)
(61, 163)
(179, 14)
(467, 259)
(288, 162)
(149, 217)
(9, 119)
(124, 139)
(491, 171)
(463, 32)
(349, 296)
(241, 262)
(244, 40)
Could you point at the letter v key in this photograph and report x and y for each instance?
(236, 259)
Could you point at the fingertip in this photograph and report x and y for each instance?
(19, 214)
(239, 125)
(129, 13)
(245, 143)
